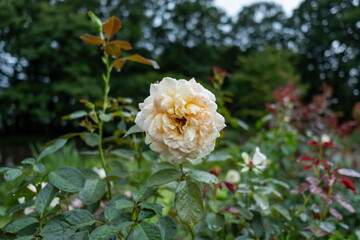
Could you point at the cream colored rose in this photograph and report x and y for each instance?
(180, 120)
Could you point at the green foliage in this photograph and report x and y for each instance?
(188, 203)
(259, 73)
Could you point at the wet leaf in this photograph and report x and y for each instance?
(168, 227)
(64, 225)
(93, 191)
(119, 63)
(163, 176)
(146, 231)
(202, 176)
(44, 198)
(215, 221)
(20, 224)
(67, 179)
(52, 148)
(189, 203)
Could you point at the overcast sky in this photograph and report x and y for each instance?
(232, 7)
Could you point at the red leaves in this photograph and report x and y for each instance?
(328, 144)
(343, 202)
(230, 186)
(347, 172)
(329, 181)
(204, 190)
(111, 27)
(114, 48)
(347, 183)
(312, 181)
(301, 189)
(313, 143)
(140, 59)
(119, 63)
(305, 159)
(308, 167)
(94, 40)
(231, 210)
(324, 144)
(122, 44)
(335, 213)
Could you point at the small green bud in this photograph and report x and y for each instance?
(96, 22)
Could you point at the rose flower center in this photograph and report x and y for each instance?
(180, 123)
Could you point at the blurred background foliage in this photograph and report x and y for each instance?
(45, 68)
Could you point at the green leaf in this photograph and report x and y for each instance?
(282, 211)
(25, 238)
(261, 201)
(328, 227)
(163, 176)
(80, 236)
(93, 191)
(157, 208)
(145, 213)
(257, 224)
(243, 238)
(219, 157)
(39, 168)
(52, 148)
(105, 231)
(278, 183)
(4, 169)
(146, 231)
(189, 203)
(215, 221)
(44, 198)
(30, 161)
(105, 117)
(66, 224)
(133, 129)
(202, 176)
(242, 124)
(67, 179)
(91, 139)
(168, 227)
(123, 203)
(143, 192)
(75, 115)
(12, 174)
(21, 207)
(20, 224)
(248, 215)
(110, 211)
(123, 153)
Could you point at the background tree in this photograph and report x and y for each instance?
(328, 36)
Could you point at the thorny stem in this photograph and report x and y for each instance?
(101, 123)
